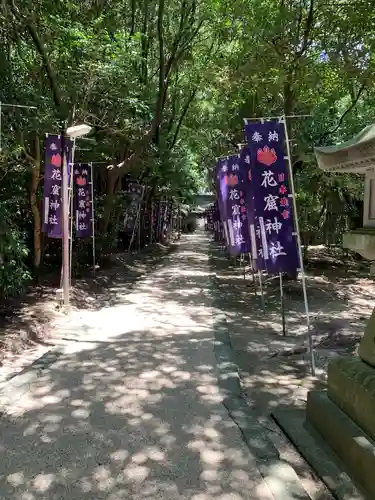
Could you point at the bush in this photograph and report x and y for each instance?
(14, 273)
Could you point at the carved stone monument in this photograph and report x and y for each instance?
(344, 415)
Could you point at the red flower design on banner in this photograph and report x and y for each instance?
(233, 180)
(56, 160)
(267, 156)
(284, 202)
(81, 181)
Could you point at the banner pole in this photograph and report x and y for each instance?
(252, 273)
(309, 334)
(179, 221)
(71, 194)
(139, 229)
(260, 276)
(152, 223)
(93, 220)
(282, 304)
(65, 221)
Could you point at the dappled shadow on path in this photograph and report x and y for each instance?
(29, 323)
(132, 409)
(109, 286)
(275, 369)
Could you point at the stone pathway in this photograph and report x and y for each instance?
(129, 405)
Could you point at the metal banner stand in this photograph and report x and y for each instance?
(93, 220)
(309, 333)
(282, 119)
(139, 229)
(282, 304)
(70, 204)
(179, 221)
(262, 301)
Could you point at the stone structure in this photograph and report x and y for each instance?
(344, 415)
(356, 156)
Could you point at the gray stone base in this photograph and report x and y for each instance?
(329, 430)
(351, 386)
(347, 440)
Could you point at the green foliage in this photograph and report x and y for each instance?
(166, 85)
(14, 274)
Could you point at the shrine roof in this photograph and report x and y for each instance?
(356, 155)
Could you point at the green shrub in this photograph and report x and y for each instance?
(14, 273)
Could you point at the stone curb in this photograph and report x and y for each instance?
(317, 453)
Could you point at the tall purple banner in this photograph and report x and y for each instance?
(232, 204)
(272, 196)
(83, 200)
(136, 192)
(249, 195)
(52, 197)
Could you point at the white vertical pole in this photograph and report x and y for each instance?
(282, 304)
(152, 223)
(139, 229)
(65, 217)
(93, 220)
(310, 341)
(71, 194)
(260, 276)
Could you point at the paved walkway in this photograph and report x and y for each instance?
(131, 408)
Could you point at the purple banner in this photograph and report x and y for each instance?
(83, 200)
(232, 204)
(249, 196)
(136, 192)
(273, 198)
(52, 197)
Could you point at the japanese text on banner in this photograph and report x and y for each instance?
(272, 197)
(52, 197)
(249, 196)
(232, 204)
(83, 200)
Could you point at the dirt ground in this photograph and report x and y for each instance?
(275, 369)
(29, 324)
